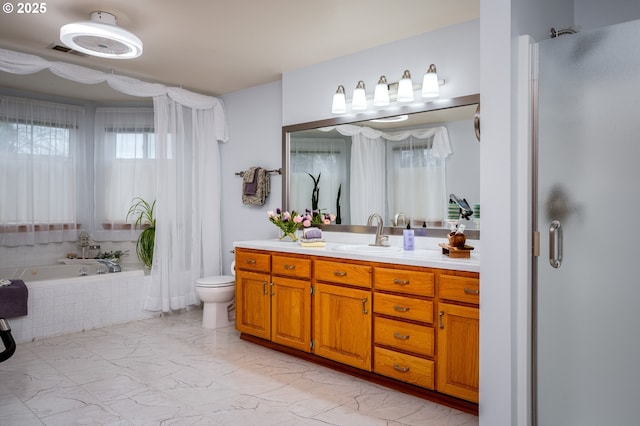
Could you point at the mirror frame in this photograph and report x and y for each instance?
(439, 104)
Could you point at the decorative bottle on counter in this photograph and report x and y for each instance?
(407, 237)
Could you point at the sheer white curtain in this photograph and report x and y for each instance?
(188, 208)
(327, 157)
(125, 168)
(416, 162)
(44, 195)
(368, 177)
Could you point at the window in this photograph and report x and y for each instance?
(125, 167)
(42, 162)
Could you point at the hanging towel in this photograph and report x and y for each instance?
(250, 181)
(262, 187)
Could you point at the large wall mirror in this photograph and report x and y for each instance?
(402, 166)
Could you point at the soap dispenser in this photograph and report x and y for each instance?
(407, 237)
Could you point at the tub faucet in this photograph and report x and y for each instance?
(379, 237)
(111, 266)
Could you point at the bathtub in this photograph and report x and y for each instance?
(31, 274)
(61, 301)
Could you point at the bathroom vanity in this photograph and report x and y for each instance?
(405, 319)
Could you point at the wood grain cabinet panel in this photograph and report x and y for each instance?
(343, 273)
(407, 368)
(404, 336)
(458, 351)
(403, 307)
(419, 283)
(342, 325)
(253, 303)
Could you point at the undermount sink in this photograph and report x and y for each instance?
(367, 249)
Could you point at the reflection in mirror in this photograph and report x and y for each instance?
(404, 169)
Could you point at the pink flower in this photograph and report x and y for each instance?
(297, 219)
(327, 222)
(306, 223)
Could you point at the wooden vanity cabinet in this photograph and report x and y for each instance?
(342, 313)
(274, 303)
(459, 335)
(404, 338)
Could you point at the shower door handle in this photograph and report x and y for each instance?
(555, 241)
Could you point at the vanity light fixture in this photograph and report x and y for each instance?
(385, 93)
(339, 105)
(359, 100)
(405, 88)
(430, 86)
(101, 37)
(381, 95)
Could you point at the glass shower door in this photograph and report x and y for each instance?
(588, 216)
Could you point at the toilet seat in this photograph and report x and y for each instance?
(216, 281)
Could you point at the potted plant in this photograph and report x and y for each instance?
(143, 211)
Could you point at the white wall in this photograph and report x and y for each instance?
(255, 139)
(455, 50)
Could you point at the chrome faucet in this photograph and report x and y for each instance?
(111, 266)
(397, 217)
(380, 225)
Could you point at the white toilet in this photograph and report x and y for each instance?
(217, 294)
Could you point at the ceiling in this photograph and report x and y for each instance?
(217, 47)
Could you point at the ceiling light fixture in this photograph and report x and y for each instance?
(401, 91)
(101, 37)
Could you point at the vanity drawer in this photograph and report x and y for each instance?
(343, 273)
(461, 289)
(404, 281)
(403, 307)
(406, 336)
(250, 261)
(291, 266)
(407, 368)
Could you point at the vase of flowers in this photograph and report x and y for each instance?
(289, 223)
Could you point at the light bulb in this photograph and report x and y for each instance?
(359, 101)
(430, 86)
(339, 105)
(381, 95)
(405, 88)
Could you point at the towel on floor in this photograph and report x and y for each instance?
(13, 299)
(262, 187)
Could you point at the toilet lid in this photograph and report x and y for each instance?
(216, 281)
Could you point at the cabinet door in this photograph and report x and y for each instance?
(342, 325)
(253, 304)
(458, 351)
(291, 313)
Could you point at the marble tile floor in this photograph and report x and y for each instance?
(170, 371)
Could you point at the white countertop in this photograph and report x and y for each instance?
(429, 255)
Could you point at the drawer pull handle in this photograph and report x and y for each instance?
(400, 282)
(339, 273)
(400, 369)
(400, 336)
(264, 287)
(471, 291)
(251, 261)
(290, 267)
(400, 308)
(440, 321)
(364, 306)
